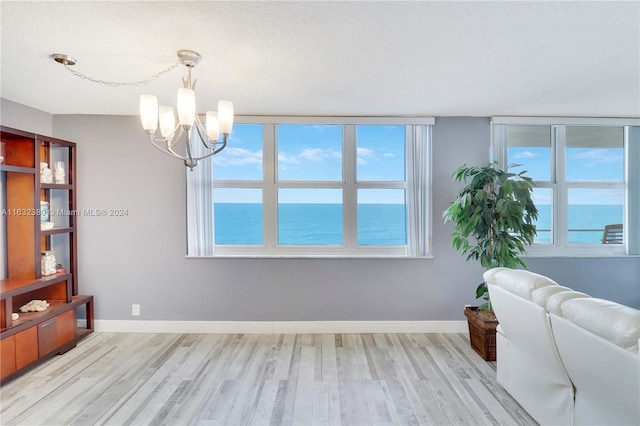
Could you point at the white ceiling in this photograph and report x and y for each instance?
(331, 58)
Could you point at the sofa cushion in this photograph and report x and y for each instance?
(521, 282)
(490, 275)
(540, 295)
(555, 301)
(612, 321)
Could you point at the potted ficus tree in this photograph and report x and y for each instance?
(493, 217)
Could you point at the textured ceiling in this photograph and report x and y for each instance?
(331, 58)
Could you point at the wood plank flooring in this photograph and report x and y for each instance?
(245, 379)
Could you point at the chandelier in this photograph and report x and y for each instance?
(200, 140)
(189, 124)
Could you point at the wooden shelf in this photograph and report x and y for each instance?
(55, 186)
(12, 286)
(56, 307)
(17, 169)
(60, 230)
(48, 141)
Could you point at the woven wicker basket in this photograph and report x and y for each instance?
(482, 334)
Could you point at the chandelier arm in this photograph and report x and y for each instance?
(169, 143)
(224, 144)
(175, 135)
(199, 129)
(155, 141)
(205, 156)
(188, 144)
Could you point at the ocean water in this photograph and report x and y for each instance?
(586, 222)
(308, 224)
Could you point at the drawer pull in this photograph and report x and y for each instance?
(48, 323)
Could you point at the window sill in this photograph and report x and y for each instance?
(309, 256)
(577, 252)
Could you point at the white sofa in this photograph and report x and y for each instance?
(567, 358)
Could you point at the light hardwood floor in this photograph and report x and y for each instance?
(248, 379)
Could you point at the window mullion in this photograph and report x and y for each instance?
(561, 196)
(269, 192)
(349, 193)
(500, 145)
(632, 178)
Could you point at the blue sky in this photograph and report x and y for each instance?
(582, 164)
(312, 153)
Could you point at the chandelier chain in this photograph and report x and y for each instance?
(122, 84)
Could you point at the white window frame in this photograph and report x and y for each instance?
(631, 184)
(414, 127)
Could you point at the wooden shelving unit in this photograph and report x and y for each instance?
(35, 336)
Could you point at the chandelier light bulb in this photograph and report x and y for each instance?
(225, 116)
(149, 113)
(186, 107)
(167, 121)
(213, 128)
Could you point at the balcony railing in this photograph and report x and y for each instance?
(580, 236)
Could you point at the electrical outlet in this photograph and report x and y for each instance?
(135, 310)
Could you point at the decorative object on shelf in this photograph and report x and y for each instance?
(14, 316)
(46, 175)
(45, 226)
(1, 152)
(35, 306)
(44, 211)
(60, 269)
(220, 122)
(59, 172)
(48, 262)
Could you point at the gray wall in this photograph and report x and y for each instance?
(22, 117)
(140, 258)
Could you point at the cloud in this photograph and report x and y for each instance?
(527, 154)
(309, 154)
(389, 155)
(238, 157)
(365, 154)
(287, 159)
(318, 154)
(596, 157)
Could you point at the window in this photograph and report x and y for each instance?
(586, 177)
(314, 187)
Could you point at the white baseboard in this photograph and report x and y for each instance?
(280, 327)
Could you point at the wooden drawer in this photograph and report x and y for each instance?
(47, 337)
(26, 346)
(7, 356)
(66, 327)
(21, 349)
(56, 332)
